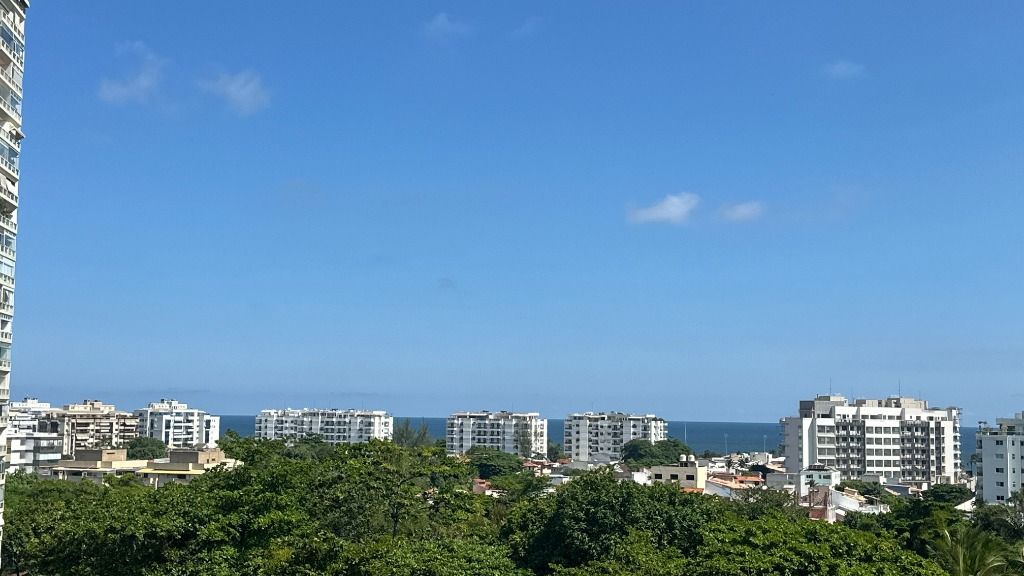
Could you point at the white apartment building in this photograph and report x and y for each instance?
(332, 425)
(177, 425)
(25, 415)
(89, 425)
(898, 438)
(12, 68)
(1000, 464)
(30, 451)
(599, 436)
(521, 433)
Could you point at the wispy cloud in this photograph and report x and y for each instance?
(140, 86)
(743, 211)
(674, 209)
(527, 29)
(844, 70)
(243, 92)
(444, 26)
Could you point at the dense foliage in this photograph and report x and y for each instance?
(146, 448)
(307, 508)
(641, 453)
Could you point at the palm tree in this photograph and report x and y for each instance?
(967, 551)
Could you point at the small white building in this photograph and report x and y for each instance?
(688, 474)
(521, 433)
(818, 475)
(599, 436)
(177, 425)
(332, 425)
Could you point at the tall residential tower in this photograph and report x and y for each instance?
(12, 67)
(899, 439)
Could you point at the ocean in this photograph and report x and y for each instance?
(700, 436)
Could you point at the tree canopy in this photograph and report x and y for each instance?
(490, 462)
(146, 448)
(642, 453)
(308, 508)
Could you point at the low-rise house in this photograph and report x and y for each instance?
(95, 465)
(818, 475)
(687, 474)
(181, 466)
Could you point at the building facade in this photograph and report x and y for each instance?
(29, 451)
(89, 425)
(599, 436)
(999, 452)
(521, 433)
(25, 415)
(12, 69)
(332, 425)
(177, 425)
(899, 439)
(688, 474)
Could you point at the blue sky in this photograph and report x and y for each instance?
(705, 210)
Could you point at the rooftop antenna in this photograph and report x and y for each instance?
(900, 389)
(829, 385)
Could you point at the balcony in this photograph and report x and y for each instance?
(10, 45)
(10, 167)
(7, 196)
(9, 224)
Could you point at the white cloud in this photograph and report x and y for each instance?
(140, 86)
(243, 92)
(743, 211)
(444, 26)
(674, 208)
(527, 29)
(844, 70)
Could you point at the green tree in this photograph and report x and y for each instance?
(404, 434)
(555, 452)
(490, 462)
(775, 545)
(641, 453)
(589, 516)
(146, 448)
(954, 494)
(967, 551)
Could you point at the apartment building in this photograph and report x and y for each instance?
(900, 439)
(12, 68)
(30, 451)
(25, 415)
(521, 433)
(332, 425)
(177, 425)
(89, 425)
(599, 436)
(999, 452)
